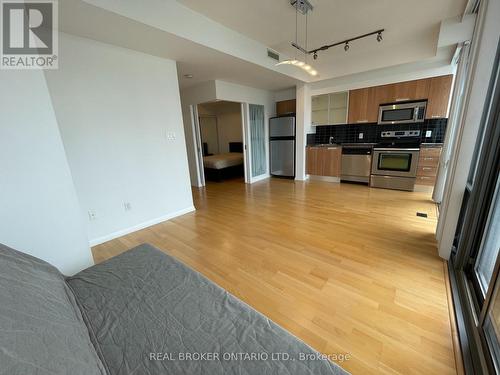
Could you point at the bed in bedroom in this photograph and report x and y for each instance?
(226, 165)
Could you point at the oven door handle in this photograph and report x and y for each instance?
(398, 150)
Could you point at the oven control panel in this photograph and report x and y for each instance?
(401, 134)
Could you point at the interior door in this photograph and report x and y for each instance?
(198, 145)
(255, 136)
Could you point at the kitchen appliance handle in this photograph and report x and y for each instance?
(395, 149)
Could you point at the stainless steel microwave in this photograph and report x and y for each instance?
(402, 113)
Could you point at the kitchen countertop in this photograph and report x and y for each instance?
(332, 145)
(431, 145)
(359, 144)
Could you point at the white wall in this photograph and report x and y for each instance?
(394, 74)
(287, 94)
(230, 129)
(303, 127)
(115, 107)
(39, 209)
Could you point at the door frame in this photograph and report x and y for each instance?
(198, 149)
(247, 144)
(247, 155)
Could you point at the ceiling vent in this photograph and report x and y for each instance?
(273, 55)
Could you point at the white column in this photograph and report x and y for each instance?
(303, 127)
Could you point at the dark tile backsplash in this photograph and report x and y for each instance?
(349, 133)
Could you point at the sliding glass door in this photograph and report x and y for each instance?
(475, 260)
(255, 134)
(257, 139)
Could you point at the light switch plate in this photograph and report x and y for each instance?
(428, 134)
(360, 135)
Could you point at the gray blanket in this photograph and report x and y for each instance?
(41, 328)
(147, 313)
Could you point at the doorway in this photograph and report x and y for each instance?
(230, 141)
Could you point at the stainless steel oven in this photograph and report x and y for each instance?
(402, 113)
(394, 168)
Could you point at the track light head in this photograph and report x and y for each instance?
(379, 37)
(346, 47)
(315, 56)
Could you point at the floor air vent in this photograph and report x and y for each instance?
(421, 214)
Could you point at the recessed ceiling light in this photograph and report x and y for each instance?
(188, 76)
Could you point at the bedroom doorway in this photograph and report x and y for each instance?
(219, 133)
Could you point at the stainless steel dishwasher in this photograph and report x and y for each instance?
(356, 162)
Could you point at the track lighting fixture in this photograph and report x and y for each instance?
(346, 42)
(304, 7)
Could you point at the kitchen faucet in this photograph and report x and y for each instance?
(331, 140)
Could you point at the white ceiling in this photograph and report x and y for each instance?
(412, 28)
(204, 63)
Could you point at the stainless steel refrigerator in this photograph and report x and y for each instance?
(282, 146)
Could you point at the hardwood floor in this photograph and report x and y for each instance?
(346, 268)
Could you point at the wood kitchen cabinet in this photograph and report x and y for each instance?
(405, 91)
(428, 164)
(285, 107)
(363, 105)
(439, 96)
(324, 161)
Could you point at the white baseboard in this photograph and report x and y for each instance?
(260, 178)
(135, 228)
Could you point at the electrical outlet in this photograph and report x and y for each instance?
(127, 206)
(360, 136)
(171, 136)
(428, 134)
(92, 215)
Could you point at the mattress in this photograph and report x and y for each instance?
(221, 161)
(150, 314)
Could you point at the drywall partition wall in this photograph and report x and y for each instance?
(120, 118)
(39, 210)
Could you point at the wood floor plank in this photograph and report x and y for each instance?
(346, 268)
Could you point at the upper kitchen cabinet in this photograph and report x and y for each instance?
(411, 90)
(439, 96)
(319, 107)
(329, 109)
(363, 105)
(337, 109)
(285, 107)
